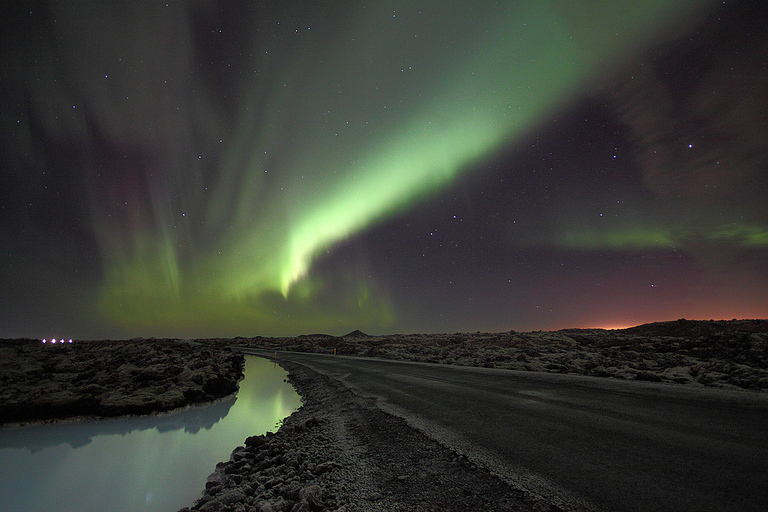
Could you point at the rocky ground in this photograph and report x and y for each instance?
(726, 354)
(111, 378)
(339, 452)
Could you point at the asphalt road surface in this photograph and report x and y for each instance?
(580, 442)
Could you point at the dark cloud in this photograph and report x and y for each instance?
(699, 110)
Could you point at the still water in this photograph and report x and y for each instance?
(150, 463)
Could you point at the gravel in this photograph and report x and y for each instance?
(339, 452)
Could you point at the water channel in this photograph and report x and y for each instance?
(147, 463)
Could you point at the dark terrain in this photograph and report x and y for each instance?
(725, 354)
(111, 378)
(341, 451)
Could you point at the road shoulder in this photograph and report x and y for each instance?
(340, 452)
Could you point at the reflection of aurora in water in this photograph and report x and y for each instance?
(144, 463)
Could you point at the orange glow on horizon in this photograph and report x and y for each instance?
(614, 327)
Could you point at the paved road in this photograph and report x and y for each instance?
(601, 443)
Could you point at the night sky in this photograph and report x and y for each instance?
(217, 169)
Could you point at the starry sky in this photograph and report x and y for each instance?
(240, 168)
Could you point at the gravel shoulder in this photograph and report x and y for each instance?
(340, 452)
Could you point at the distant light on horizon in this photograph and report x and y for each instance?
(53, 341)
(616, 327)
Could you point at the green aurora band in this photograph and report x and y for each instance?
(355, 122)
(643, 237)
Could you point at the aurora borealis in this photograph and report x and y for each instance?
(242, 168)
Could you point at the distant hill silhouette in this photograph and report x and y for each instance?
(356, 334)
(683, 327)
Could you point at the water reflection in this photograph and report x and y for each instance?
(146, 463)
(80, 434)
